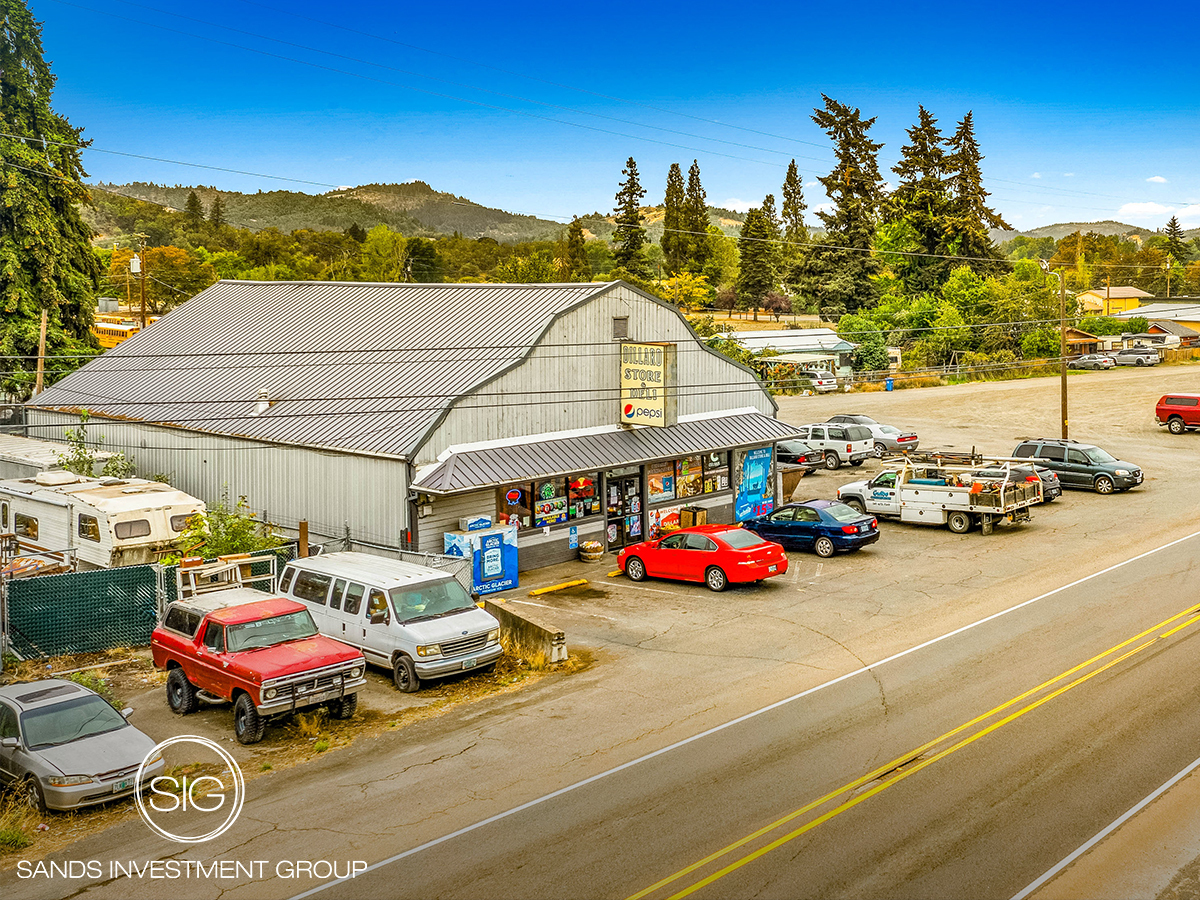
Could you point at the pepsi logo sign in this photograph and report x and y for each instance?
(629, 410)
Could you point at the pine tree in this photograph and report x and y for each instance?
(970, 217)
(193, 211)
(674, 240)
(756, 271)
(46, 258)
(921, 202)
(695, 222)
(793, 253)
(216, 212)
(842, 273)
(1176, 242)
(630, 236)
(577, 259)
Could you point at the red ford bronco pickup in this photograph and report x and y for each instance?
(265, 656)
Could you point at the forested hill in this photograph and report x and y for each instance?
(1060, 230)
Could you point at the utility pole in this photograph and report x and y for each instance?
(137, 266)
(1062, 341)
(1169, 261)
(1107, 293)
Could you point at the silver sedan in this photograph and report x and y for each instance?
(1092, 361)
(63, 746)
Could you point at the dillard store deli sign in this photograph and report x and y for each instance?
(648, 384)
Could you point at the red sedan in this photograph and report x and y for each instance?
(713, 554)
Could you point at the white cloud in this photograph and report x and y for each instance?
(1144, 210)
(823, 207)
(1189, 216)
(1157, 179)
(737, 205)
(1068, 174)
(811, 183)
(1036, 175)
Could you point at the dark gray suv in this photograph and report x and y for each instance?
(1081, 465)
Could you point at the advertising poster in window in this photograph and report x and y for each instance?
(689, 477)
(661, 478)
(550, 502)
(663, 521)
(752, 472)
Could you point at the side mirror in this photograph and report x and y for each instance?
(10, 743)
(127, 712)
(380, 618)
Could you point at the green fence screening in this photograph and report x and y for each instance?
(81, 612)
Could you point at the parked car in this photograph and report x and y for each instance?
(1051, 486)
(798, 453)
(888, 438)
(1081, 465)
(1179, 412)
(63, 746)
(1092, 361)
(1137, 356)
(264, 657)
(839, 444)
(716, 555)
(417, 622)
(822, 526)
(821, 380)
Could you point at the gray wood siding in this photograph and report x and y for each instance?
(570, 380)
(331, 490)
(447, 511)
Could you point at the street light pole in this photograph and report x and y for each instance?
(1062, 342)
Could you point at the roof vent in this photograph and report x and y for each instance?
(53, 479)
(263, 403)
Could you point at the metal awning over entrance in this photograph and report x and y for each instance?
(472, 469)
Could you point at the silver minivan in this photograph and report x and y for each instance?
(418, 622)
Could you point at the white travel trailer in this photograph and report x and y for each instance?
(103, 522)
(24, 457)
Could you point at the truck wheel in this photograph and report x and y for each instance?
(635, 569)
(715, 579)
(248, 725)
(1104, 485)
(181, 693)
(1176, 426)
(832, 460)
(404, 673)
(344, 707)
(823, 547)
(959, 522)
(856, 505)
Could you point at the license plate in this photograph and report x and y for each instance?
(469, 663)
(772, 568)
(124, 785)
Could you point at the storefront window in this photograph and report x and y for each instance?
(716, 471)
(550, 502)
(689, 477)
(583, 495)
(514, 505)
(662, 482)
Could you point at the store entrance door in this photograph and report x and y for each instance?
(624, 506)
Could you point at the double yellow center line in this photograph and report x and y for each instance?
(916, 760)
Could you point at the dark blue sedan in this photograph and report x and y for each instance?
(823, 526)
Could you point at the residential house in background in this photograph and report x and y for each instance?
(1108, 301)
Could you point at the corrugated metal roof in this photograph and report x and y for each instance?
(487, 467)
(43, 454)
(1164, 310)
(793, 340)
(1116, 293)
(353, 366)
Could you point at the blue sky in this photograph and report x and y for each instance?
(1084, 112)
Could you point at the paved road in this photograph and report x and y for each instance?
(674, 661)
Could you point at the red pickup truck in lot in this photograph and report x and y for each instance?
(1179, 412)
(265, 656)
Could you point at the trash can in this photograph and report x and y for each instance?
(889, 383)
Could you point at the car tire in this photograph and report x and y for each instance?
(344, 707)
(404, 674)
(1139, 362)
(248, 725)
(716, 579)
(857, 506)
(1104, 485)
(880, 450)
(32, 794)
(1175, 425)
(635, 569)
(959, 522)
(823, 547)
(181, 693)
(832, 461)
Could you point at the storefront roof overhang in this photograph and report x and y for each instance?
(473, 469)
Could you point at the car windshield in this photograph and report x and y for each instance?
(1097, 456)
(270, 631)
(740, 539)
(72, 720)
(429, 600)
(842, 512)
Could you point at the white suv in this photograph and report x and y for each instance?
(839, 443)
(822, 381)
(1137, 356)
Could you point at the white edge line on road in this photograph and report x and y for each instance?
(739, 720)
(1117, 823)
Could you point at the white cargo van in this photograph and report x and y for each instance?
(417, 621)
